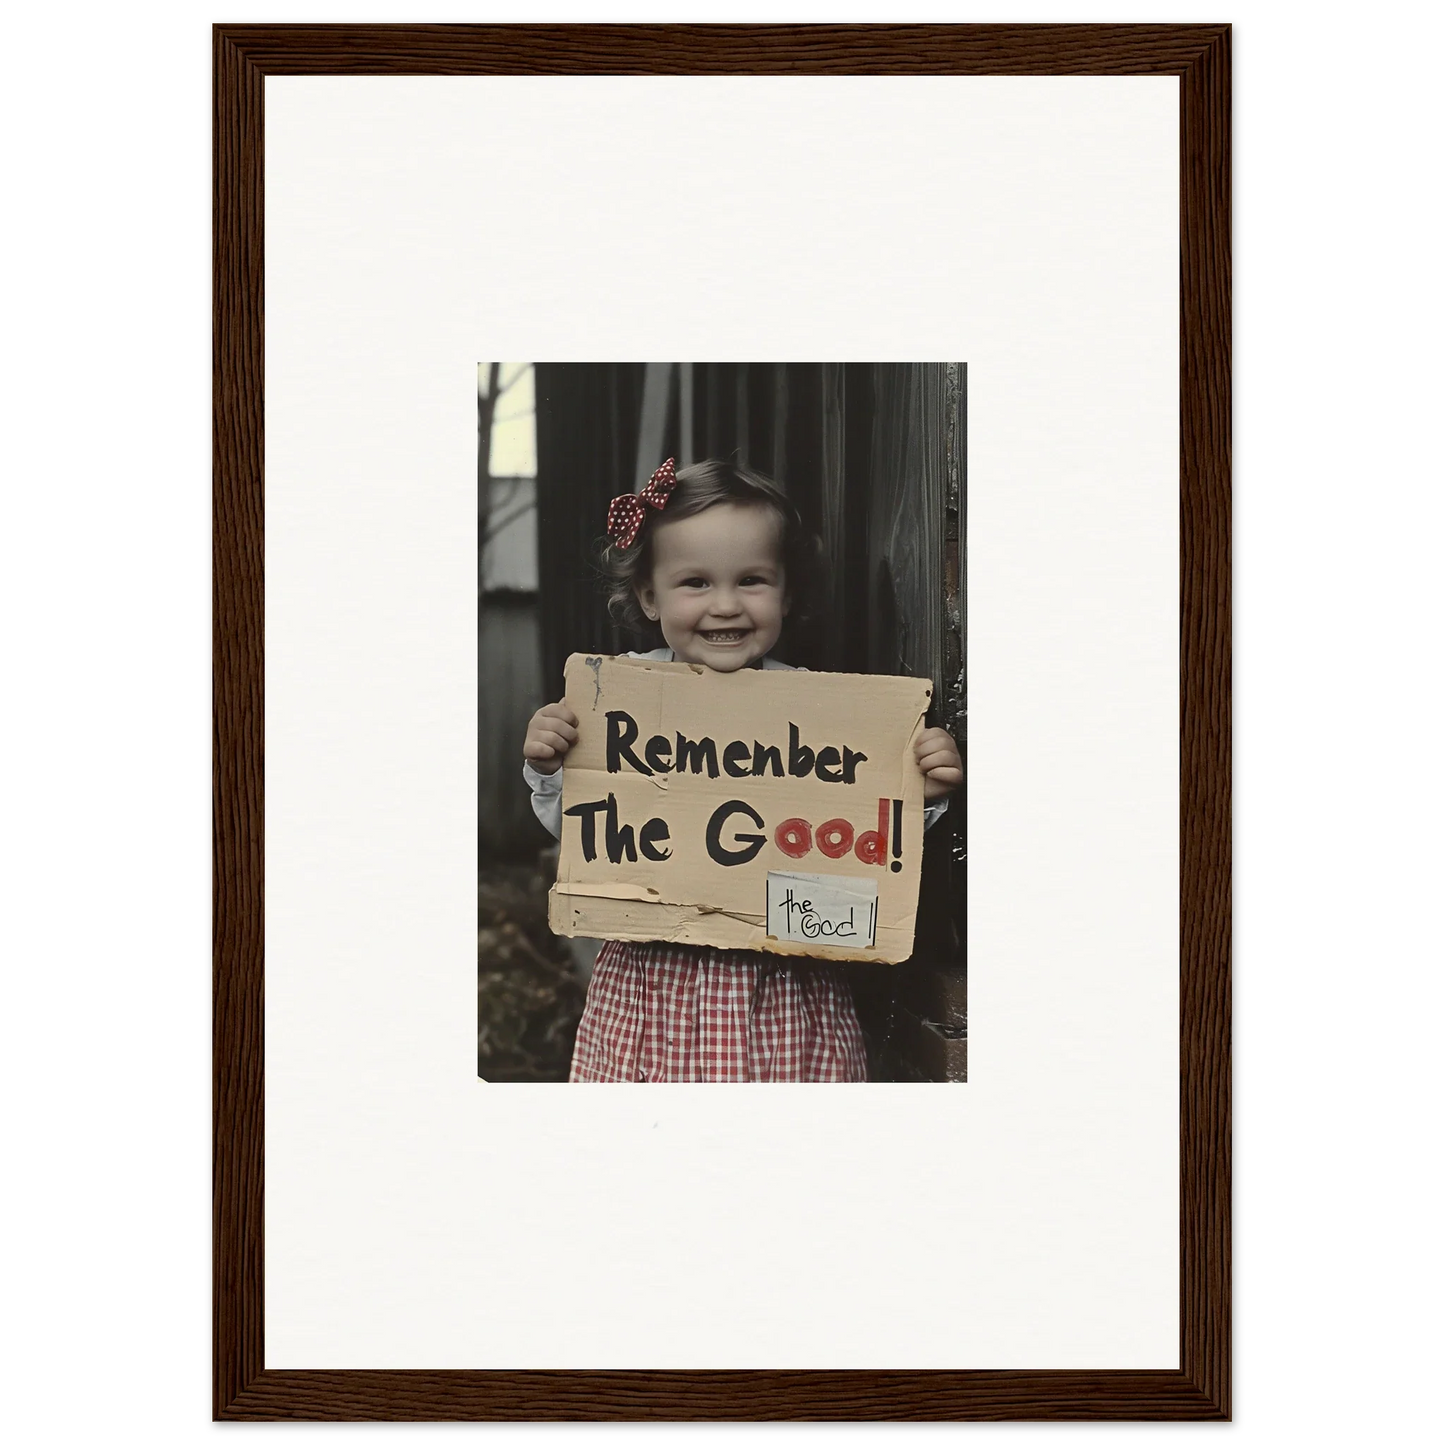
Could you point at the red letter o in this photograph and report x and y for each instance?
(835, 837)
(794, 837)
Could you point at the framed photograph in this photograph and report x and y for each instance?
(874, 478)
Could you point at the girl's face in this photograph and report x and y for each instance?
(717, 585)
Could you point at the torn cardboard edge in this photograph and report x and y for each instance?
(774, 771)
(618, 919)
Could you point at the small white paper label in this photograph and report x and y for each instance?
(806, 908)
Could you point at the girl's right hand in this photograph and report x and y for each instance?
(550, 734)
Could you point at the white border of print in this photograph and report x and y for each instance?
(418, 1218)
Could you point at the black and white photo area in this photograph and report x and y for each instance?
(873, 457)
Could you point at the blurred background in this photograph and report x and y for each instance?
(873, 455)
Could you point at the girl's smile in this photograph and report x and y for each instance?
(717, 586)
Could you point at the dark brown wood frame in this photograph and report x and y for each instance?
(1199, 55)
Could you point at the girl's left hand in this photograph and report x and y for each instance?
(939, 762)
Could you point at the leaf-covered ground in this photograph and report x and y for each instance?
(529, 992)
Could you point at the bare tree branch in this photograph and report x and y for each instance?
(507, 491)
(486, 403)
(502, 523)
(497, 389)
(496, 512)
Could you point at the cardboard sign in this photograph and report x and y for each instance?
(763, 809)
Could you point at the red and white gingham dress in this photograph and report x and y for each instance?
(666, 1013)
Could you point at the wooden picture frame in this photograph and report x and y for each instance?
(243, 1390)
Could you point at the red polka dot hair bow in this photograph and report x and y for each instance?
(626, 514)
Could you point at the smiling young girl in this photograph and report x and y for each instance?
(715, 558)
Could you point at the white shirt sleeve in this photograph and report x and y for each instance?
(546, 797)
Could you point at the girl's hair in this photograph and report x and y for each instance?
(709, 484)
